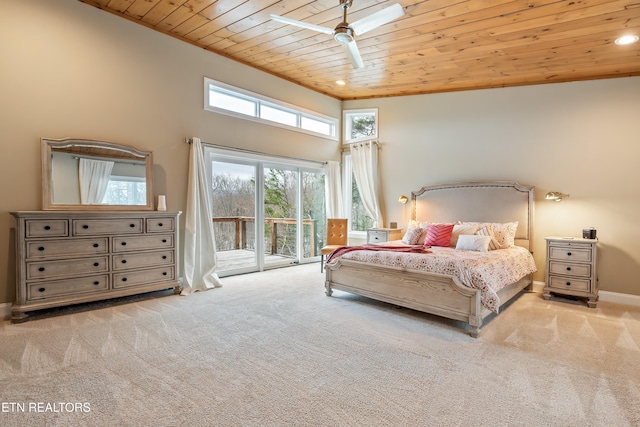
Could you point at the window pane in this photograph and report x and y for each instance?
(361, 125)
(277, 115)
(316, 126)
(231, 103)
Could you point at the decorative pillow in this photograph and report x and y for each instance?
(473, 243)
(505, 233)
(460, 229)
(438, 235)
(488, 231)
(412, 236)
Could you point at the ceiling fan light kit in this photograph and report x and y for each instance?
(344, 32)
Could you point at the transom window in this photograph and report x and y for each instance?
(360, 125)
(225, 99)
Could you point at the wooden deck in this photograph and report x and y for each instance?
(242, 258)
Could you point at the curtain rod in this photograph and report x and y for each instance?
(244, 150)
(347, 147)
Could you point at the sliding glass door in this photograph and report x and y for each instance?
(234, 211)
(266, 213)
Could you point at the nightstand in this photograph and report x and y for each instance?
(571, 268)
(379, 235)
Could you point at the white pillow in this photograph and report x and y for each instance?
(460, 229)
(473, 243)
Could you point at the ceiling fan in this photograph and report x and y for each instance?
(344, 32)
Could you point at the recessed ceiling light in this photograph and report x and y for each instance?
(341, 82)
(628, 39)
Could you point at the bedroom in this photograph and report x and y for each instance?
(576, 138)
(123, 82)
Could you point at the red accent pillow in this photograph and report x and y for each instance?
(438, 235)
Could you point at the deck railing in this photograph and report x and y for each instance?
(271, 225)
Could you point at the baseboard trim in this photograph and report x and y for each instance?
(5, 310)
(607, 296)
(618, 298)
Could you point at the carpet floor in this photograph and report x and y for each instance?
(270, 349)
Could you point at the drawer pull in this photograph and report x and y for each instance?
(124, 261)
(568, 283)
(164, 273)
(568, 268)
(41, 269)
(568, 253)
(160, 224)
(47, 227)
(85, 226)
(164, 257)
(124, 243)
(41, 248)
(132, 225)
(96, 283)
(124, 279)
(41, 290)
(95, 245)
(96, 264)
(164, 240)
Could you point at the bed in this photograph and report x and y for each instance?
(401, 279)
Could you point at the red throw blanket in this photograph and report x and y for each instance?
(374, 247)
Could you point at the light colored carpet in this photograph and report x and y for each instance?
(270, 349)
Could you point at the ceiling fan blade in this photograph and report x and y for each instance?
(354, 54)
(325, 30)
(377, 19)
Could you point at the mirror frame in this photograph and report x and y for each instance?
(47, 144)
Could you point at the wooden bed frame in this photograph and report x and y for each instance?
(443, 295)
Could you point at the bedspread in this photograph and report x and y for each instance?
(487, 271)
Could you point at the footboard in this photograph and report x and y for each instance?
(432, 293)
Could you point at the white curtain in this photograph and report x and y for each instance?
(200, 257)
(333, 190)
(364, 160)
(93, 176)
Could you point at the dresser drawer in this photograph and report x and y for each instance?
(567, 253)
(136, 243)
(160, 225)
(92, 227)
(140, 260)
(569, 284)
(564, 268)
(70, 267)
(46, 228)
(40, 249)
(141, 277)
(65, 287)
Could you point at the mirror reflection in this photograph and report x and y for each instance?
(96, 175)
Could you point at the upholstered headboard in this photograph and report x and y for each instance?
(490, 201)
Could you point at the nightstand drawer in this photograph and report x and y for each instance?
(567, 269)
(569, 254)
(374, 236)
(569, 283)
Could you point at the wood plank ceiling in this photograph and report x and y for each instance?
(438, 46)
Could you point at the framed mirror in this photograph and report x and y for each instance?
(85, 174)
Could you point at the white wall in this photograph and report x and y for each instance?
(577, 138)
(68, 69)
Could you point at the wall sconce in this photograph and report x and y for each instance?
(555, 196)
(403, 199)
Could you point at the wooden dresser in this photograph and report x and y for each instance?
(571, 268)
(65, 257)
